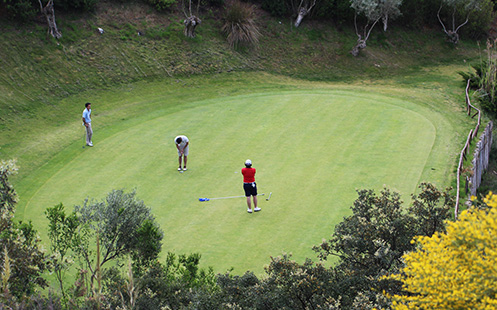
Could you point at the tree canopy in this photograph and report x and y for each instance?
(456, 269)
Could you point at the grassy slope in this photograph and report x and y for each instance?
(43, 84)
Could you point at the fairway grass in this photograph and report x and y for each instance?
(313, 146)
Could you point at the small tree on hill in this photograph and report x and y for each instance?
(191, 20)
(373, 11)
(456, 8)
(49, 12)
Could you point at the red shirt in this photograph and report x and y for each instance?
(248, 175)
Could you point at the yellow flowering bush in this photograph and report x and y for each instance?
(454, 270)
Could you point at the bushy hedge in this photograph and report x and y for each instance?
(20, 10)
(69, 5)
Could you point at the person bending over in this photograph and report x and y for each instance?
(182, 144)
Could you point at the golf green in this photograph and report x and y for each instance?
(312, 149)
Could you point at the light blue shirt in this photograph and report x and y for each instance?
(86, 115)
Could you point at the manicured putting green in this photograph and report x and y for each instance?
(311, 149)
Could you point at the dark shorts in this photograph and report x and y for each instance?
(250, 189)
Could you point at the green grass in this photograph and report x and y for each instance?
(392, 116)
(313, 145)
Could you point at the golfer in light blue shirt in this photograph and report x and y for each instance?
(87, 123)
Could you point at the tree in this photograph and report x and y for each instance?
(191, 21)
(19, 244)
(457, 7)
(62, 231)
(120, 223)
(456, 269)
(431, 208)
(373, 10)
(371, 242)
(49, 12)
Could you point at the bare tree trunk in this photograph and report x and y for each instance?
(303, 10)
(361, 44)
(362, 39)
(49, 13)
(191, 23)
(452, 35)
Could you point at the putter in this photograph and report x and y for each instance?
(84, 136)
(208, 199)
(270, 193)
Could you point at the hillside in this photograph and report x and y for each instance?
(140, 44)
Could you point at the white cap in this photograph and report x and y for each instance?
(248, 162)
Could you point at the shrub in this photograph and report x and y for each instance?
(69, 5)
(239, 25)
(162, 5)
(20, 10)
(275, 7)
(216, 3)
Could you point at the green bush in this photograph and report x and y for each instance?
(20, 10)
(76, 5)
(162, 5)
(216, 3)
(275, 7)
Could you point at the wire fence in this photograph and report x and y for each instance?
(480, 156)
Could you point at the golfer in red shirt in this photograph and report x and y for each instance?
(249, 185)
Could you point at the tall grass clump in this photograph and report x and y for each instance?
(488, 82)
(239, 24)
(484, 79)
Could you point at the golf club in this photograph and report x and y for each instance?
(208, 199)
(270, 193)
(84, 135)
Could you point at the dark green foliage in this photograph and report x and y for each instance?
(75, 5)
(338, 11)
(215, 3)
(176, 284)
(119, 222)
(431, 208)
(287, 285)
(419, 13)
(21, 10)
(62, 231)
(148, 245)
(484, 80)
(371, 242)
(162, 5)
(19, 244)
(276, 7)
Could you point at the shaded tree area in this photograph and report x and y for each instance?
(22, 260)
(416, 14)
